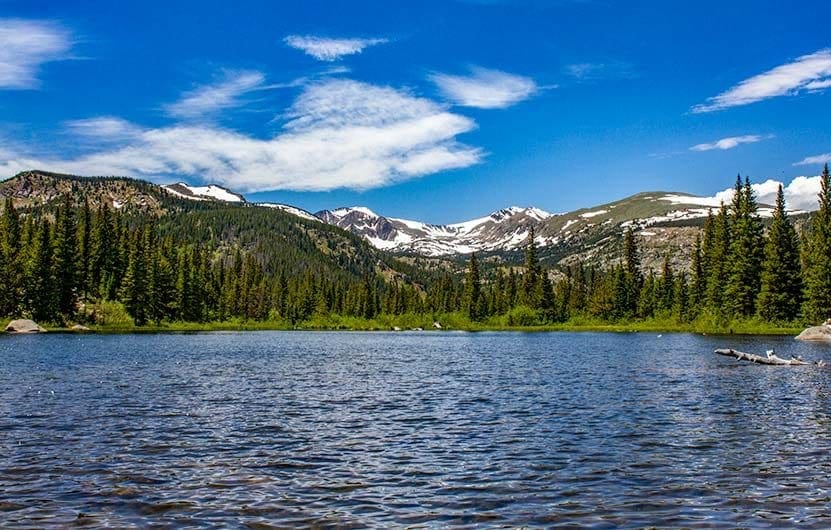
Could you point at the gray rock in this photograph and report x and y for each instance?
(437, 325)
(79, 327)
(23, 326)
(816, 334)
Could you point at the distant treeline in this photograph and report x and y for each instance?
(197, 266)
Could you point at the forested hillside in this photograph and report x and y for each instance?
(90, 249)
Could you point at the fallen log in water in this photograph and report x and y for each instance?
(771, 358)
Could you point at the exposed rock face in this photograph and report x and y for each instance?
(23, 326)
(816, 334)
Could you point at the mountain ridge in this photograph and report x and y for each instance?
(664, 220)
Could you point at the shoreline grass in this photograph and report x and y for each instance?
(449, 322)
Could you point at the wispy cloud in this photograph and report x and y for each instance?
(24, 46)
(591, 71)
(329, 49)
(814, 160)
(227, 93)
(340, 134)
(103, 129)
(807, 73)
(485, 88)
(730, 142)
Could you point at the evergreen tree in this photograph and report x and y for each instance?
(666, 286)
(473, 290)
(40, 281)
(681, 298)
(531, 277)
(11, 273)
(781, 295)
(698, 289)
(632, 257)
(818, 256)
(547, 303)
(134, 291)
(715, 256)
(84, 249)
(630, 289)
(746, 253)
(66, 260)
(102, 262)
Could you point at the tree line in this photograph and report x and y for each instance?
(225, 263)
(738, 271)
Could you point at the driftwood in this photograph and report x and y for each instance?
(771, 358)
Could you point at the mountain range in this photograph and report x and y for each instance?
(663, 220)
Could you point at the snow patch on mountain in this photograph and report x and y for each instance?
(593, 214)
(289, 209)
(201, 193)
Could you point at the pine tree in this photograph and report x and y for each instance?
(646, 300)
(547, 303)
(715, 256)
(66, 258)
(84, 248)
(666, 286)
(634, 275)
(781, 295)
(531, 276)
(40, 282)
(134, 287)
(818, 256)
(681, 298)
(746, 253)
(102, 263)
(11, 302)
(473, 290)
(632, 257)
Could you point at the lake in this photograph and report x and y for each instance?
(381, 430)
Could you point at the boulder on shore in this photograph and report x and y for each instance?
(79, 327)
(23, 325)
(816, 334)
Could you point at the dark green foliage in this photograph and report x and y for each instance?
(200, 262)
(67, 264)
(716, 256)
(781, 293)
(818, 256)
(746, 253)
(473, 301)
(39, 282)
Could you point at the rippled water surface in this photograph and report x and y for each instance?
(358, 430)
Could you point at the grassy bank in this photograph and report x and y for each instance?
(448, 322)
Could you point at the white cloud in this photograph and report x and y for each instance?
(24, 46)
(800, 194)
(816, 159)
(340, 134)
(485, 88)
(103, 128)
(328, 49)
(208, 99)
(730, 142)
(809, 72)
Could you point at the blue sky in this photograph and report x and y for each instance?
(439, 111)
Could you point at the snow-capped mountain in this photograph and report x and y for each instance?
(203, 193)
(505, 229)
